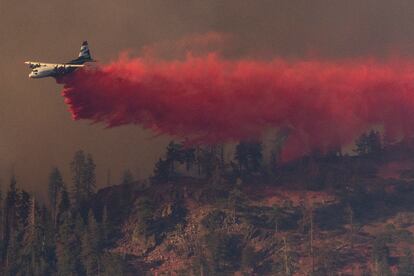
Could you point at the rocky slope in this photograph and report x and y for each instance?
(317, 216)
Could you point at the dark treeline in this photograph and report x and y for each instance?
(65, 238)
(208, 162)
(237, 225)
(249, 162)
(77, 232)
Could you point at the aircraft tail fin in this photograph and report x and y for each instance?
(84, 54)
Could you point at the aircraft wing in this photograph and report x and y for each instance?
(35, 64)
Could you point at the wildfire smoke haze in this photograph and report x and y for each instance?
(208, 99)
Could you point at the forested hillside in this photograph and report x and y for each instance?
(202, 213)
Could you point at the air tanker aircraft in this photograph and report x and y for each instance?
(42, 70)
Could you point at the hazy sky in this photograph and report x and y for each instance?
(36, 130)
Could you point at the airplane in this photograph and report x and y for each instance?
(43, 70)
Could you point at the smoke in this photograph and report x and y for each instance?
(208, 99)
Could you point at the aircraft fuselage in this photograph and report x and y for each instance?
(43, 71)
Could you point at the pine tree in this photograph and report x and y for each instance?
(106, 228)
(28, 250)
(249, 157)
(12, 257)
(32, 243)
(77, 167)
(362, 144)
(90, 177)
(84, 180)
(47, 241)
(10, 220)
(161, 171)
(64, 205)
(55, 187)
(224, 252)
(23, 209)
(144, 209)
(174, 154)
(79, 225)
(68, 249)
(369, 143)
(91, 246)
(189, 157)
(178, 208)
(127, 178)
(374, 142)
(208, 160)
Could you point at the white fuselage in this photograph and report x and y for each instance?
(50, 70)
(41, 72)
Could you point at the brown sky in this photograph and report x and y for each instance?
(37, 131)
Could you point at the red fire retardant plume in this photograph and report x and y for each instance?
(207, 99)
